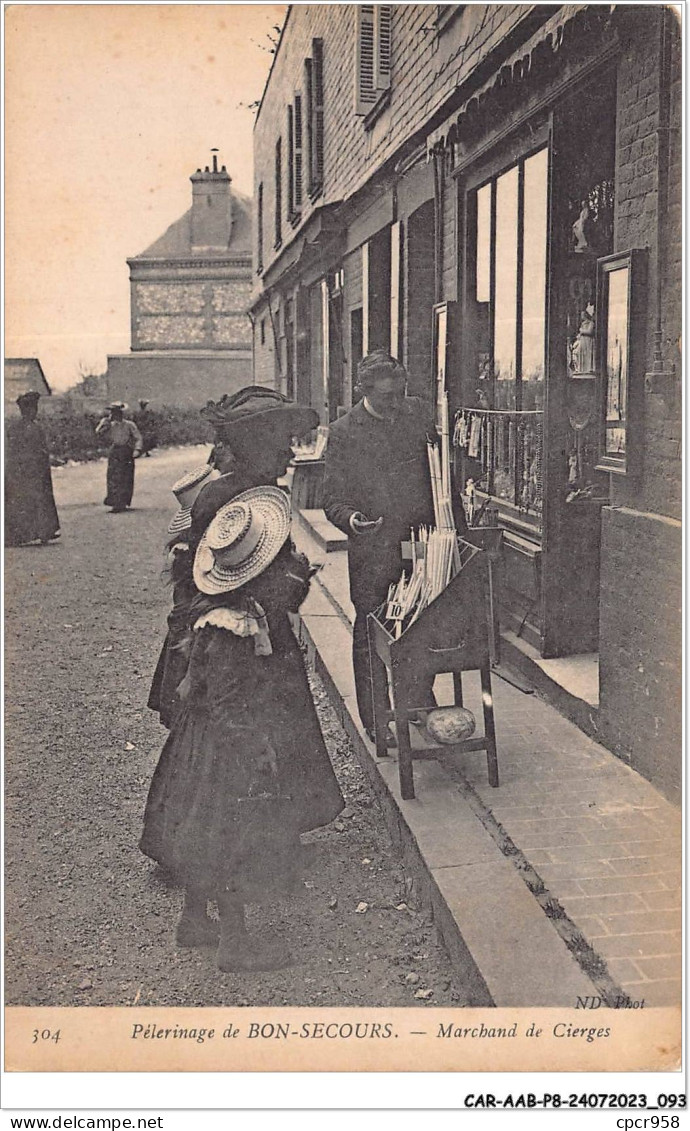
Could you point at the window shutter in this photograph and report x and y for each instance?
(298, 151)
(279, 192)
(309, 118)
(317, 110)
(382, 54)
(365, 69)
(260, 228)
(290, 163)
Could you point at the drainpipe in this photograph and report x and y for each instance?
(439, 202)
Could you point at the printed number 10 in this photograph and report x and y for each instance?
(45, 1035)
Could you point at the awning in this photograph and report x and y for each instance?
(525, 61)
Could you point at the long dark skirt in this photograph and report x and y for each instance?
(243, 772)
(30, 511)
(120, 477)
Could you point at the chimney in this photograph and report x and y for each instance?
(211, 209)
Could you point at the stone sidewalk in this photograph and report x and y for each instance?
(575, 860)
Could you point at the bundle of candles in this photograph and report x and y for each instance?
(435, 550)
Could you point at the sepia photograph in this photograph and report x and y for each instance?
(343, 545)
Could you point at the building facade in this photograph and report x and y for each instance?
(190, 291)
(493, 193)
(20, 374)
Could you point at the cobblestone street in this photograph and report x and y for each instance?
(89, 922)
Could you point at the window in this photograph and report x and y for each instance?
(290, 163)
(372, 56)
(510, 232)
(313, 81)
(260, 229)
(508, 225)
(262, 329)
(279, 192)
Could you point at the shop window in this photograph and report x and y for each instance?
(508, 229)
(279, 193)
(372, 56)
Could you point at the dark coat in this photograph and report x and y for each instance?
(379, 468)
(30, 511)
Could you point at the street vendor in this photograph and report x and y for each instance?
(376, 488)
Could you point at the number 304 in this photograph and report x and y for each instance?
(45, 1035)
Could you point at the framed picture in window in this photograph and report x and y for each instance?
(444, 316)
(620, 320)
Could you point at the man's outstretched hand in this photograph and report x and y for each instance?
(363, 525)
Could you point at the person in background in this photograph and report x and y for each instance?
(30, 511)
(146, 423)
(125, 446)
(376, 488)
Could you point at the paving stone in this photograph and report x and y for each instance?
(613, 885)
(656, 994)
(603, 904)
(639, 946)
(662, 900)
(641, 865)
(637, 922)
(668, 967)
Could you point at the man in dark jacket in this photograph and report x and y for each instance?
(377, 486)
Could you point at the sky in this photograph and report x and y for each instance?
(109, 109)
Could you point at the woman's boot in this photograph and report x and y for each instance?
(240, 952)
(194, 927)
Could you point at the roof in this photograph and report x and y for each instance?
(176, 241)
(24, 373)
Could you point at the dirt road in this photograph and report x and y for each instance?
(89, 920)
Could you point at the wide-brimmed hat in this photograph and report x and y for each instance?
(255, 406)
(119, 404)
(242, 540)
(185, 491)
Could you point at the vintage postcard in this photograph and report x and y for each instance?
(343, 539)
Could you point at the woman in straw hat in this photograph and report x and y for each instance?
(245, 769)
(125, 446)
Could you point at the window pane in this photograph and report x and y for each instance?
(534, 279)
(483, 242)
(505, 314)
(616, 362)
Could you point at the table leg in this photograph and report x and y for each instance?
(489, 728)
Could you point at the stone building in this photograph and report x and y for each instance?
(190, 290)
(493, 193)
(19, 375)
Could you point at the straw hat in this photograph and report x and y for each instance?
(242, 540)
(119, 404)
(185, 491)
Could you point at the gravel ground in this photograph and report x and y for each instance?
(90, 921)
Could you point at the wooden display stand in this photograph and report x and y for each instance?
(452, 635)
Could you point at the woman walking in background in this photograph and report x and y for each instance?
(125, 445)
(30, 511)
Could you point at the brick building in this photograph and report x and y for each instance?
(190, 290)
(493, 193)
